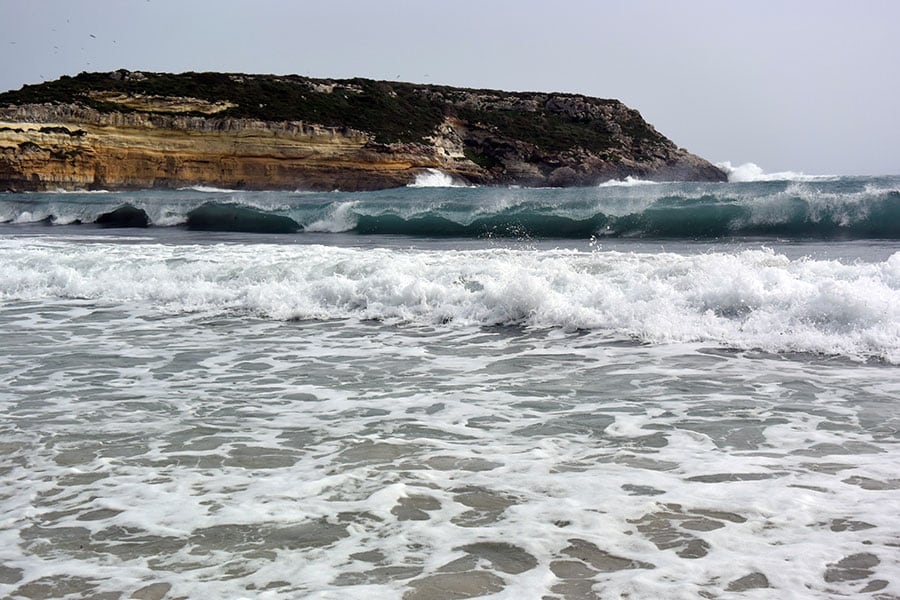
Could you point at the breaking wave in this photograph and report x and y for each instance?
(747, 299)
(842, 208)
(627, 182)
(751, 172)
(435, 178)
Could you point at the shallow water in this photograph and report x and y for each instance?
(226, 457)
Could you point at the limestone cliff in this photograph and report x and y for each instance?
(134, 130)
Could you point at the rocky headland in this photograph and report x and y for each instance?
(128, 130)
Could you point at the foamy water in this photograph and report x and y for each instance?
(435, 178)
(347, 413)
(751, 172)
(627, 182)
(747, 299)
(224, 456)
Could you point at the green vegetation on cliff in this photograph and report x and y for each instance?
(391, 111)
(389, 130)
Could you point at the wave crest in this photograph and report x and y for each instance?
(627, 182)
(750, 299)
(435, 178)
(849, 208)
(751, 172)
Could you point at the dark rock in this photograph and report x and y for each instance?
(562, 176)
(124, 216)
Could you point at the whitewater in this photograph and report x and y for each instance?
(640, 389)
(436, 206)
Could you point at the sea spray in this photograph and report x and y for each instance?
(629, 181)
(435, 178)
(339, 216)
(751, 172)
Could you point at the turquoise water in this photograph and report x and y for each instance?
(818, 208)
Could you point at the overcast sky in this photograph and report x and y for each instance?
(792, 85)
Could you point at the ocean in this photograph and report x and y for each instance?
(637, 390)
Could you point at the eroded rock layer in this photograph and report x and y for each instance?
(132, 130)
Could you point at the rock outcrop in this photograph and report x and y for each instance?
(126, 130)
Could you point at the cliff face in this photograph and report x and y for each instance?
(132, 130)
(70, 147)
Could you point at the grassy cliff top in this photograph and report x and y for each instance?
(390, 111)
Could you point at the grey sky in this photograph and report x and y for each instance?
(802, 85)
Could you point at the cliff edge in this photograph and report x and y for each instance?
(127, 129)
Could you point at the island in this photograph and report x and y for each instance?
(136, 130)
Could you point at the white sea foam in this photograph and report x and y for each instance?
(750, 172)
(208, 189)
(162, 217)
(26, 217)
(236, 457)
(340, 218)
(627, 182)
(751, 299)
(435, 178)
